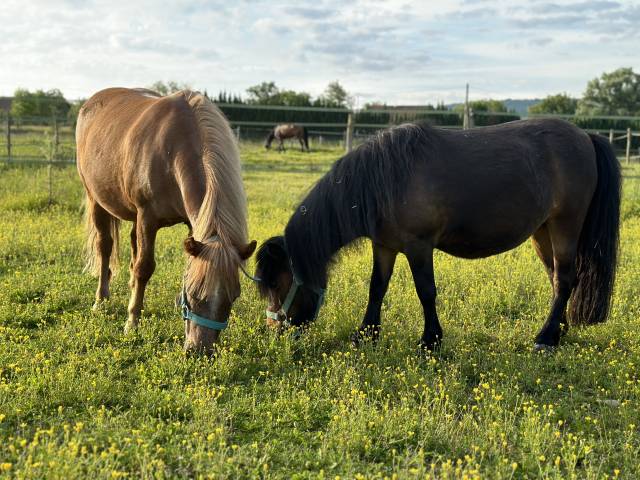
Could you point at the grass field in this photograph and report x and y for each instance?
(79, 399)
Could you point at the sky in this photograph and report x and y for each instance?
(398, 52)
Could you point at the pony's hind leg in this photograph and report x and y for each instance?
(142, 268)
(542, 245)
(134, 255)
(420, 256)
(383, 262)
(104, 227)
(563, 235)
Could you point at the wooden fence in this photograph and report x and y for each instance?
(628, 137)
(52, 140)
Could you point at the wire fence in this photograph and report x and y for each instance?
(52, 140)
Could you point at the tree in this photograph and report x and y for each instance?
(39, 103)
(72, 114)
(614, 93)
(265, 93)
(167, 88)
(335, 96)
(487, 105)
(559, 104)
(291, 98)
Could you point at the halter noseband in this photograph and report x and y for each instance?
(291, 295)
(188, 314)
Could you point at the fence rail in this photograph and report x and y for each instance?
(52, 139)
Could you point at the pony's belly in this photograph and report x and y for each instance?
(469, 245)
(117, 208)
(471, 252)
(113, 200)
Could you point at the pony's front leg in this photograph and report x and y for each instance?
(142, 269)
(420, 258)
(383, 262)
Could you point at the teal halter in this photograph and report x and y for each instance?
(291, 295)
(188, 314)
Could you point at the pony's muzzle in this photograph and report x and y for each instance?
(274, 324)
(200, 340)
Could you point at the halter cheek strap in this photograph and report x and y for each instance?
(188, 314)
(291, 295)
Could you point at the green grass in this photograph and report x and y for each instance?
(78, 399)
(32, 143)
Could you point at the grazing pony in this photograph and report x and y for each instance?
(471, 194)
(158, 161)
(288, 130)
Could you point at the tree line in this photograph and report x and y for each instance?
(614, 93)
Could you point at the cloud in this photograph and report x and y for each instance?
(394, 50)
(573, 7)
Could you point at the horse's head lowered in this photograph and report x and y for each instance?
(290, 302)
(211, 285)
(269, 139)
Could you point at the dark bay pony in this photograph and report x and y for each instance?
(472, 194)
(288, 130)
(158, 161)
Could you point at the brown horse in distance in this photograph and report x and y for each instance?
(285, 131)
(158, 161)
(472, 194)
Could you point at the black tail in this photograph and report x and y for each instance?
(598, 247)
(305, 138)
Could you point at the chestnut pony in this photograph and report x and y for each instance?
(158, 161)
(472, 194)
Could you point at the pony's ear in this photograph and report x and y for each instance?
(245, 251)
(193, 247)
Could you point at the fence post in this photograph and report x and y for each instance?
(628, 145)
(349, 133)
(56, 139)
(611, 136)
(466, 116)
(8, 137)
(238, 133)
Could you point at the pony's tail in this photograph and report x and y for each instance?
(305, 137)
(92, 249)
(598, 246)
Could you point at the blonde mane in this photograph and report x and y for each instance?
(224, 208)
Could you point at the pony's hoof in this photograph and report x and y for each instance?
(98, 304)
(130, 326)
(362, 336)
(430, 347)
(541, 347)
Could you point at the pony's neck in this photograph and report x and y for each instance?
(316, 232)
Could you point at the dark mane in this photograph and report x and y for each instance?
(271, 259)
(348, 202)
